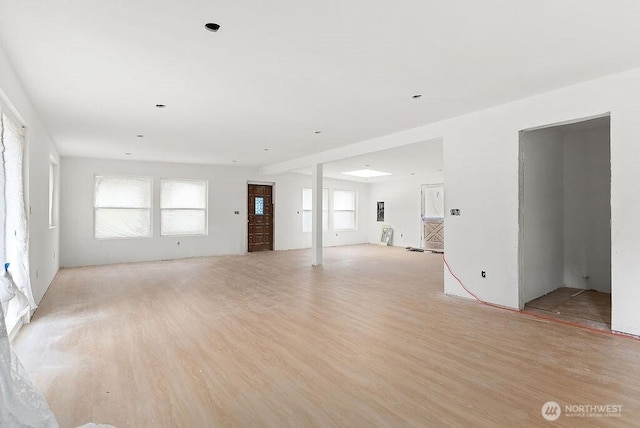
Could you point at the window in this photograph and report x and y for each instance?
(306, 209)
(53, 184)
(344, 209)
(183, 207)
(122, 207)
(259, 205)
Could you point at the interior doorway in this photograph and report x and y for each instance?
(432, 216)
(565, 221)
(260, 217)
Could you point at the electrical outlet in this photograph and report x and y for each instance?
(483, 273)
(455, 211)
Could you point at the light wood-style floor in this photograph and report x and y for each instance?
(585, 307)
(368, 339)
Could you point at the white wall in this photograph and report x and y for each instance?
(227, 194)
(587, 233)
(289, 212)
(227, 231)
(481, 152)
(402, 209)
(43, 241)
(543, 213)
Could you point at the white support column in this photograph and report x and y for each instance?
(316, 215)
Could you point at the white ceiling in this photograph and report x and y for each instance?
(279, 70)
(421, 160)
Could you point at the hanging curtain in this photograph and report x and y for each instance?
(13, 224)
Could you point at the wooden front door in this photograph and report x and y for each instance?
(260, 211)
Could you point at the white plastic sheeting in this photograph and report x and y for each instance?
(433, 202)
(13, 221)
(183, 207)
(183, 194)
(183, 222)
(122, 207)
(21, 404)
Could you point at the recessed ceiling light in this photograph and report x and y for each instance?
(140, 136)
(413, 173)
(266, 150)
(161, 105)
(366, 173)
(318, 132)
(234, 161)
(367, 166)
(128, 153)
(416, 96)
(212, 26)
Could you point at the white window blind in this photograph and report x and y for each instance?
(344, 209)
(122, 207)
(183, 207)
(306, 209)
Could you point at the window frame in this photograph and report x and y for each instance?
(354, 210)
(205, 209)
(150, 209)
(53, 193)
(325, 210)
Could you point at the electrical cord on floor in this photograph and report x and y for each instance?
(534, 315)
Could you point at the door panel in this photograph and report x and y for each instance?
(260, 221)
(433, 217)
(433, 234)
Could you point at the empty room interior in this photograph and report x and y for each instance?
(319, 214)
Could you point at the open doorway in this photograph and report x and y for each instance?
(565, 221)
(432, 216)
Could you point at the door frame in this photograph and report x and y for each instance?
(273, 203)
(423, 188)
(521, 199)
